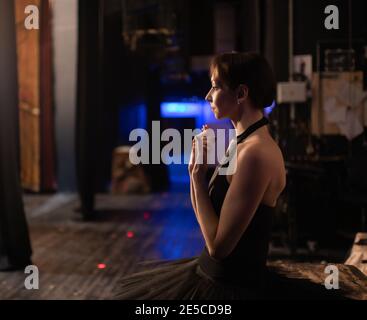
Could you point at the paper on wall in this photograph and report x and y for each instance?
(343, 109)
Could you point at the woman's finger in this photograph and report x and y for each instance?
(193, 151)
(205, 147)
(205, 142)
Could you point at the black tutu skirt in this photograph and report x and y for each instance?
(204, 278)
(181, 279)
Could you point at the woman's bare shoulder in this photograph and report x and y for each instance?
(259, 154)
(258, 146)
(264, 150)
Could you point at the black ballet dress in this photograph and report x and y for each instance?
(241, 275)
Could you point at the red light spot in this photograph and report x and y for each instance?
(146, 215)
(101, 266)
(130, 234)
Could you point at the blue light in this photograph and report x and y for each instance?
(269, 109)
(130, 118)
(180, 236)
(181, 109)
(189, 108)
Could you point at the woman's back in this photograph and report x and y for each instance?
(263, 144)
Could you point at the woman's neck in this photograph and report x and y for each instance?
(245, 119)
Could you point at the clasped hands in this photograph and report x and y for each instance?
(198, 165)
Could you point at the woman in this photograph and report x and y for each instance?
(234, 211)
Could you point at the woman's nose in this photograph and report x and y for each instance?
(208, 97)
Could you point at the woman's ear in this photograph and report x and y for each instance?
(242, 93)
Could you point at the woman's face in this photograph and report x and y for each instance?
(222, 100)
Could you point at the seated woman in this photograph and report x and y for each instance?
(234, 211)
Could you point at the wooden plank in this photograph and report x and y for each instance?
(29, 97)
(358, 255)
(352, 282)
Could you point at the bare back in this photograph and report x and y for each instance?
(269, 150)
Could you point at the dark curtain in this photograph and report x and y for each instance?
(264, 28)
(158, 173)
(15, 247)
(113, 74)
(89, 101)
(250, 24)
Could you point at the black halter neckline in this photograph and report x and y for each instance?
(258, 124)
(252, 128)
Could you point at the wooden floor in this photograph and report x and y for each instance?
(69, 252)
(84, 260)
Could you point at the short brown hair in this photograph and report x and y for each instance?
(250, 69)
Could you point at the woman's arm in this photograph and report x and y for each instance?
(244, 195)
(192, 196)
(205, 214)
(199, 190)
(191, 168)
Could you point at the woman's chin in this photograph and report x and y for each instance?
(217, 116)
